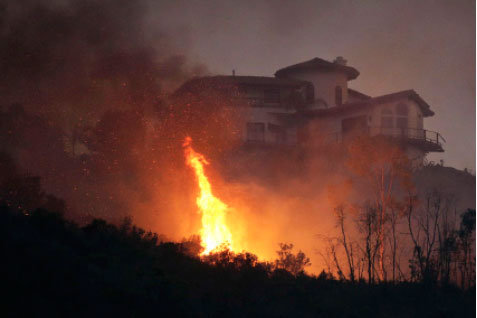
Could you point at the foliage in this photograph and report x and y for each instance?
(293, 263)
(52, 267)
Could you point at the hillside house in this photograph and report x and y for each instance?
(310, 102)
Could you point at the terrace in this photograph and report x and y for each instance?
(427, 140)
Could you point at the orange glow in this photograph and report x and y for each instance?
(215, 235)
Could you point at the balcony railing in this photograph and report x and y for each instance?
(427, 139)
(410, 133)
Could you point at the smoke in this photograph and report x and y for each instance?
(83, 86)
(75, 58)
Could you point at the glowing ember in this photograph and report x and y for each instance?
(215, 235)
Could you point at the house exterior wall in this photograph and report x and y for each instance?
(324, 84)
(415, 117)
(353, 98)
(263, 113)
(332, 124)
(415, 155)
(325, 130)
(329, 128)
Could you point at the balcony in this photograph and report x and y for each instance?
(429, 141)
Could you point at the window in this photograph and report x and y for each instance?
(420, 124)
(279, 132)
(402, 118)
(353, 126)
(242, 91)
(402, 110)
(255, 132)
(338, 95)
(401, 122)
(387, 118)
(271, 96)
(310, 93)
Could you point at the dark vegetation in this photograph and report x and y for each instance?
(53, 267)
(407, 224)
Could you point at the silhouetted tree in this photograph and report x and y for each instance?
(384, 171)
(368, 227)
(294, 263)
(344, 241)
(465, 236)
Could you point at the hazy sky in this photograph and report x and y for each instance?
(428, 46)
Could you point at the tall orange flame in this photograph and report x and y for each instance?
(215, 235)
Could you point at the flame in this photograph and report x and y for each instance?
(215, 235)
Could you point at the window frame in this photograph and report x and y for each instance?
(338, 95)
(275, 93)
(253, 133)
(402, 117)
(387, 115)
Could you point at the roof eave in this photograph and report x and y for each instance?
(350, 72)
(425, 107)
(321, 64)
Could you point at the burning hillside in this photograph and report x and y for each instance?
(134, 183)
(89, 116)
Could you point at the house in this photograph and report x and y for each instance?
(311, 102)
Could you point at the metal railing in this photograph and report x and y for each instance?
(394, 132)
(429, 139)
(409, 133)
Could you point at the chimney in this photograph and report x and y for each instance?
(340, 61)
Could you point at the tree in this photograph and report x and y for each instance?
(447, 240)
(331, 257)
(382, 168)
(348, 246)
(294, 263)
(367, 225)
(23, 192)
(465, 236)
(431, 236)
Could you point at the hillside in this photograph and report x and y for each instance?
(454, 183)
(51, 267)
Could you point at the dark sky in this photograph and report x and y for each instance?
(425, 45)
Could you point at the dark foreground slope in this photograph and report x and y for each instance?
(50, 267)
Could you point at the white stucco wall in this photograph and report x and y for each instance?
(415, 155)
(329, 129)
(353, 98)
(415, 118)
(263, 115)
(332, 124)
(324, 84)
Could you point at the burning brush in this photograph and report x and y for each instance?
(215, 235)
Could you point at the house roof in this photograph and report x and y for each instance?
(244, 80)
(261, 80)
(227, 81)
(318, 64)
(374, 101)
(359, 95)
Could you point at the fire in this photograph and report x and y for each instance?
(215, 235)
